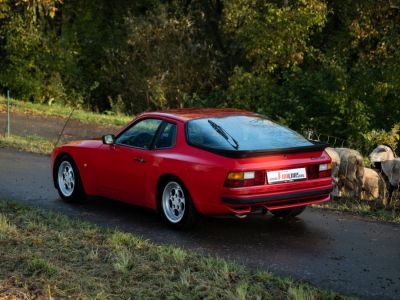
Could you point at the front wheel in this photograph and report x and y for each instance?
(288, 212)
(176, 206)
(67, 180)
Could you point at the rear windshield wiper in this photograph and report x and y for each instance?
(230, 139)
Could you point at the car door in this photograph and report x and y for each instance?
(122, 167)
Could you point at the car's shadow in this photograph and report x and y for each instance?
(257, 235)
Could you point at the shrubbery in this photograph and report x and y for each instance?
(390, 138)
(333, 66)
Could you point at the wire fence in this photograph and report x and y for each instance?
(333, 141)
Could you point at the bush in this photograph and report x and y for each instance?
(379, 137)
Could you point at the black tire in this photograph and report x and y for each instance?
(69, 190)
(171, 209)
(288, 213)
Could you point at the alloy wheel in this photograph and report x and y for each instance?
(173, 202)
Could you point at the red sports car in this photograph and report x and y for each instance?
(189, 162)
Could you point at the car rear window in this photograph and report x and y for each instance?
(243, 133)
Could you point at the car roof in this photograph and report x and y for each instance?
(187, 114)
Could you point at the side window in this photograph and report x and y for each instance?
(140, 135)
(167, 137)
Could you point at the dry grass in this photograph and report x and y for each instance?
(56, 110)
(369, 209)
(47, 255)
(34, 144)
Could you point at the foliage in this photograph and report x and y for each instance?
(274, 36)
(332, 66)
(274, 41)
(382, 137)
(164, 62)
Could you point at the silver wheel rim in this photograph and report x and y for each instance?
(173, 202)
(66, 178)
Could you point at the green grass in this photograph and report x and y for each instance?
(6, 228)
(48, 255)
(371, 210)
(34, 144)
(56, 110)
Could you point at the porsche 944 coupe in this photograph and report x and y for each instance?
(190, 162)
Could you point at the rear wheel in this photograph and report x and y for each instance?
(67, 180)
(176, 205)
(288, 212)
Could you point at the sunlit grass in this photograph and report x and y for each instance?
(6, 229)
(56, 110)
(47, 255)
(301, 292)
(367, 209)
(34, 144)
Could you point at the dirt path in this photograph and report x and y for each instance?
(336, 251)
(51, 127)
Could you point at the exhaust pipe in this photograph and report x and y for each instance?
(241, 216)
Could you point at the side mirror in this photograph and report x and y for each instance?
(108, 139)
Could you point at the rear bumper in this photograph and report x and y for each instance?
(270, 198)
(280, 200)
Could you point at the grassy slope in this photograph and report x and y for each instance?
(37, 144)
(43, 254)
(56, 110)
(34, 144)
(364, 209)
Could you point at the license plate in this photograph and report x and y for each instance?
(286, 175)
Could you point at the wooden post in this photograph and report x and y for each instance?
(8, 113)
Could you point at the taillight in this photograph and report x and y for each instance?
(325, 170)
(247, 178)
(319, 171)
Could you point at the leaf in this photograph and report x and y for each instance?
(52, 12)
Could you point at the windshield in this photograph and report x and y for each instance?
(244, 133)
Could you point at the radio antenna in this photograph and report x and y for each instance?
(65, 125)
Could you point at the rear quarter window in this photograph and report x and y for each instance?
(167, 137)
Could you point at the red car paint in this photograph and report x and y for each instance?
(114, 171)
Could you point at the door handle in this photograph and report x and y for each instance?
(139, 159)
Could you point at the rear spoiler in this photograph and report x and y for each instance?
(316, 147)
